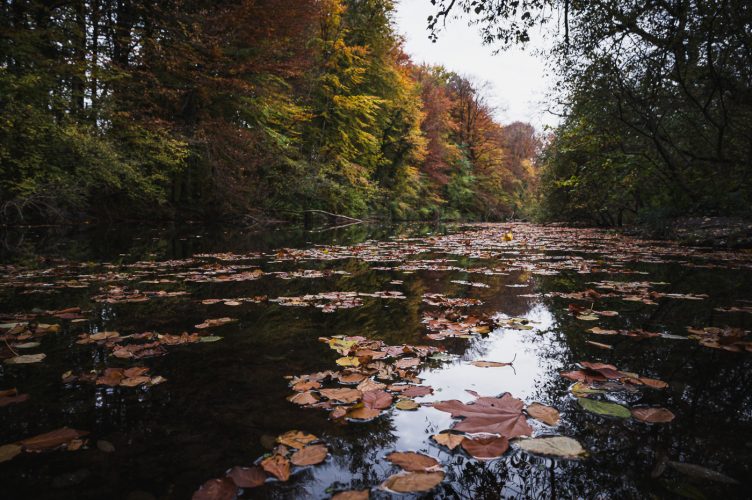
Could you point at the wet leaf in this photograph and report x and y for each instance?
(545, 414)
(352, 495)
(489, 364)
(501, 416)
(581, 389)
(377, 399)
(486, 448)
(653, 383)
(413, 482)
(558, 446)
(51, 440)
(600, 331)
(247, 477)
(700, 472)
(370, 385)
(604, 408)
(303, 398)
(27, 345)
(296, 439)
(135, 381)
(416, 391)
(278, 466)
(360, 412)
(105, 446)
(216, 489)
(310, 455)
(412, 461)
(342, 395)
(348, 361)
(24, 359)
(599, 345)
(11, 396)
(9, 451)
(407, 405)
(210, 323)
(653, 415)
(448, 439)
(210, 338)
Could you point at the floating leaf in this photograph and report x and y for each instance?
(352, 495)
(448, 439)
(24, 359)
(413, 482)
(407, 405)
(653, 415)
(278, 466)
(545, 414)
(604, 408)
(558, 446)
(360, 412)
(342, 395)
(310, 455)
(348, 361)
(653, 383)
(581, 389)
(486, 448)
(247, 477)
(700, 472)
(210, 338)
(501, 416)
(416, 391)
(489, 364)
(303, 398)
(377, 399)
(599, 345)
(51, 440)
(9, 451)
(296, 439)
(27, 345)
(600, 331)
(412, 461)
(216, 489)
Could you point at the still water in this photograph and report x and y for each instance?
(220, 403)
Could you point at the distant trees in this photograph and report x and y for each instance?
(129, 108)
(657, 98)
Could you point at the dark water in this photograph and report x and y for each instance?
(223, 400)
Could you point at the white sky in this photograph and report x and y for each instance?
(518, 78)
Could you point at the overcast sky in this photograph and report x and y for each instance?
(518, 77)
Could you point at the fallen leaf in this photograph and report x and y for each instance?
(9, 451)
(296, 439)
(413, 482)
(342, 395)
(416, 391)
(599, 345)
(377, 399)
(545, 414)
(25, 359)
(51, 440)
(247, 477)
(348, 361)
(501, 416)
(653, 383)
(278, 466)
(407, 405)
(653, 415)
(604, 408)
(135, 381)
(216, 489)
(699, 472)
(448, 439)
(558, 446)
(310, 455)
(303, 398)
(360, 412)
(105, 446)
(412, 461)
(490, 364)
(370, 385)
(486, 448)
(352, 495)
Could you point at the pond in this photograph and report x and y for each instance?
(635, 350)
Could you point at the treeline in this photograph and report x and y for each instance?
(197, 108)
(656, 98)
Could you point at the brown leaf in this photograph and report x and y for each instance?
(14, 399)
(247, 477)
(545, 414)
(377, 399)
(653, 415)
(599, 345)
(296, 439)
(486, 448)
(303, 398)
(9, 451)
(135, 381)
(278, 466)
(448, 439)
(342, 395)
(51, 440)
(352, 495)
(310, 455)
(412, 482)
(216, 489)
(412, 461)
(486, 414)
(360, 412)
(416, 391)
(653, 383)
(489, 364)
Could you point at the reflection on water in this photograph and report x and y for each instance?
(222, 400)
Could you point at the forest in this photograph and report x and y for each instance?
(135, 109)
(263, 109)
